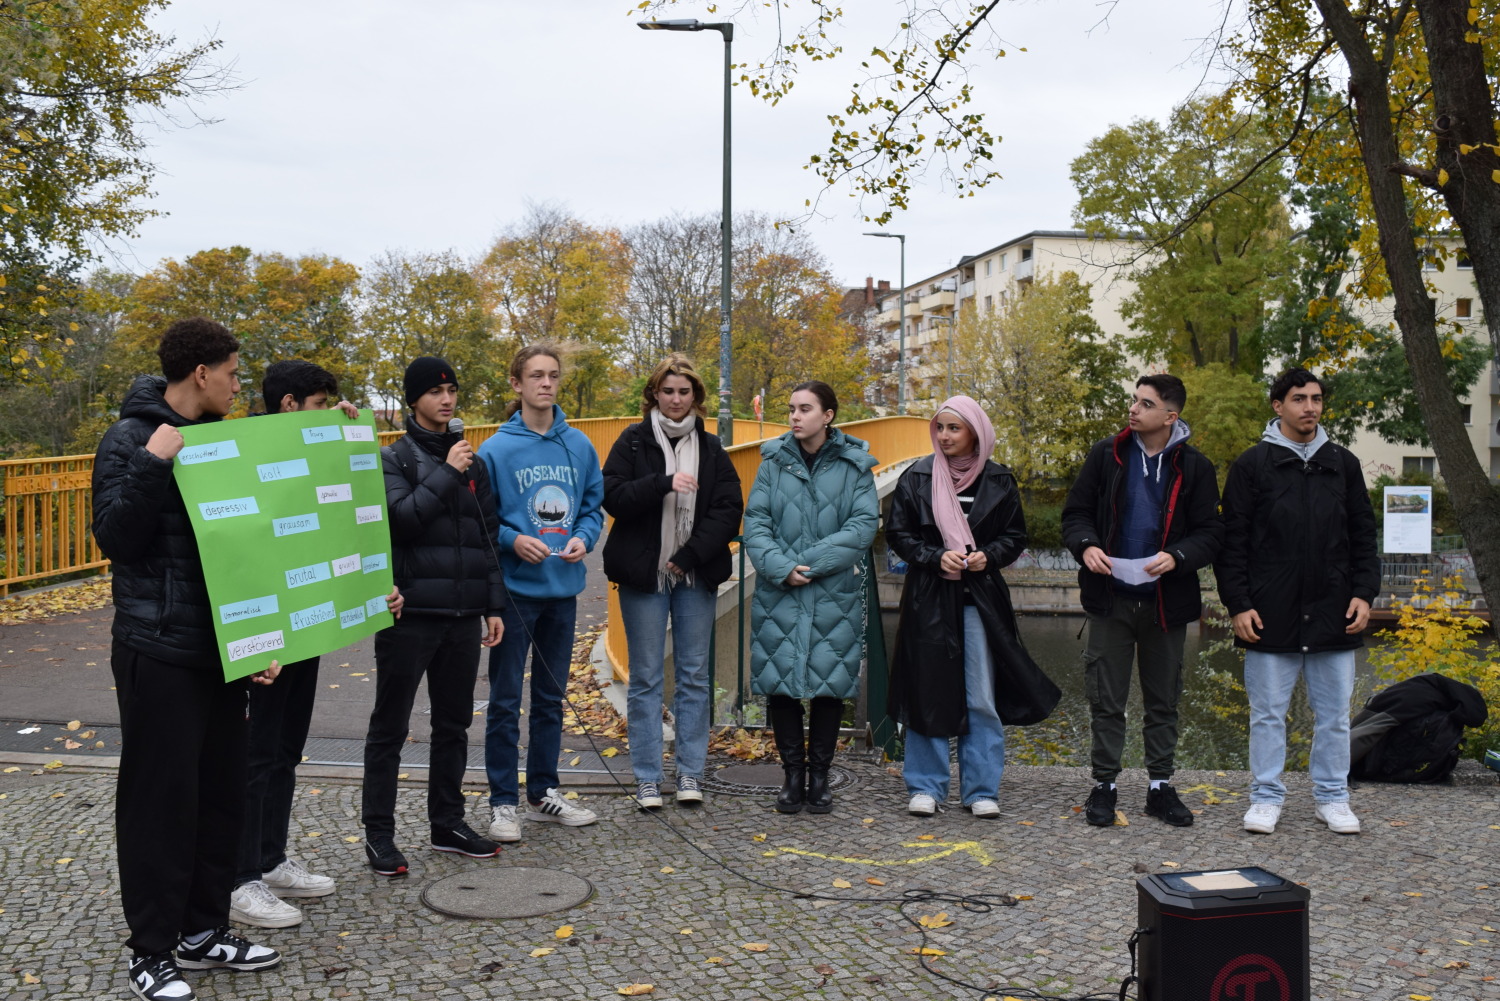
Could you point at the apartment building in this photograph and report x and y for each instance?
(929, 307)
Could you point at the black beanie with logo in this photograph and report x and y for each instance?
(424, 373)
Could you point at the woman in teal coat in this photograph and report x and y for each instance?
(811, 518)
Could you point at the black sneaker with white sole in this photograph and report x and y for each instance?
(384, 857)
(156, 978)
(460, 839)
(224, 950)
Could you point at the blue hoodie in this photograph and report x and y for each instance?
(547, 486)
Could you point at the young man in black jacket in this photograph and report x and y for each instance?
(1141, 519)
(181, 788)
(1299, 569)
(280, 716)
(448, 569)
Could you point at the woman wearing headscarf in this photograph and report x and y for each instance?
(959, 669)
(676, 501)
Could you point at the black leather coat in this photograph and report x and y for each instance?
(443, 528)
(927, 666)
(141, 523)
(1299, 544)
(636, 482)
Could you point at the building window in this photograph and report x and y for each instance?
(1464, 264)
(988, 263)
(1463, 308)
(1025, 253)
(1002, 261)
(1467, 410)
(989, 304)
(1423, 464)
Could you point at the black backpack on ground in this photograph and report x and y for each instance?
(1412, 731)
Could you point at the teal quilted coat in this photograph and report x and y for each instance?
(808, 641)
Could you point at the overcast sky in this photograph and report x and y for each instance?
(361, 126)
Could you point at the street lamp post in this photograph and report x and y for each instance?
(726, 415)
(948, 382)
(901, 323)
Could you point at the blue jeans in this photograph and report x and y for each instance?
(1269, 679)
(981, 751)
(545, 630)
(644, 615)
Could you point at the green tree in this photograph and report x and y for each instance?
(428, 304)
(554, 278)
(1024, 364)
(77, 79)
(1200, 285)
(1227, 411)
(1422, 108)
(279, 307)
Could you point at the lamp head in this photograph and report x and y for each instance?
(679, 24)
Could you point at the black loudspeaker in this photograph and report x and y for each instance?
(1223, 935)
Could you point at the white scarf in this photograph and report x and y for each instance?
(676, 508)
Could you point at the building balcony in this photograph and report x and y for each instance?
(1024, 270)
(936, 302)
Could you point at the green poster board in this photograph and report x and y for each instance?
(289, 512)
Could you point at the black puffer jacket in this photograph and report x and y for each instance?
(1190, 527)
(1299, 544)
(443, 527)
(141, 523)
(636, 482)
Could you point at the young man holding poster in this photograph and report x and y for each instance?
(547, 482)
(446, 565)
(1298, 572)
(179, 798)
(280, 715)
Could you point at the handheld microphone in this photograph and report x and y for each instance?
(456, 425)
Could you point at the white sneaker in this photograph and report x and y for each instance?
(987, 809)
(689, 789)
(291, 879)
(1261, 818)
(557, 810)
(1339, 818)
(504, 826)
(253, 903)
(921, 805)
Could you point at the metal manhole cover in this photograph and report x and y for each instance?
(758, 780)
(509, 892)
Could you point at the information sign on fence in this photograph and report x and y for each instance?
(289, 512)
(1408, 519)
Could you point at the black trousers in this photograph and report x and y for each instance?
(280, 716)
(180, 797)
(446, 650)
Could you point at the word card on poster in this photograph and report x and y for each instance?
(1408, 519)
(289, 512)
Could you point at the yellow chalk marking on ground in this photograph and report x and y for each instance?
(974, 848)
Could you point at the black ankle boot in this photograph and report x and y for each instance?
(819, 798)
(793, 791)
(786, 725)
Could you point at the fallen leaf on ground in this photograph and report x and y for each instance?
(571, 794)
(73, 725)
(926, 837)
(874, 882)
(757, 837)
(1410, 893)
(868, 820)
(28, 978)
(938, 920)
(352, 839)
(566, 931)
(1027, 823)
(1120, 820)
(357, 674)
(842, 884)
(927, 950)
(12, 768)
(538, 953)
(609, 752)
(1462, 942)
(65, 860)
(574, 762)
(684, 931)
(824, 969)
(667, 869)
(71, 745)
(315, 792)
(755, 946)
(635, 990)
(1172, 865)
(1399, 823)
(714, 959)
(1420, 997)
(314, 834)
(1457, 964)
(1486, 928)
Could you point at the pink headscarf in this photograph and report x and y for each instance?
(949, 476)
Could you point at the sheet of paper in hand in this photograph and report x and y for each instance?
(289, 513)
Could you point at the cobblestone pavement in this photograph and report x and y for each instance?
(1400, 911)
